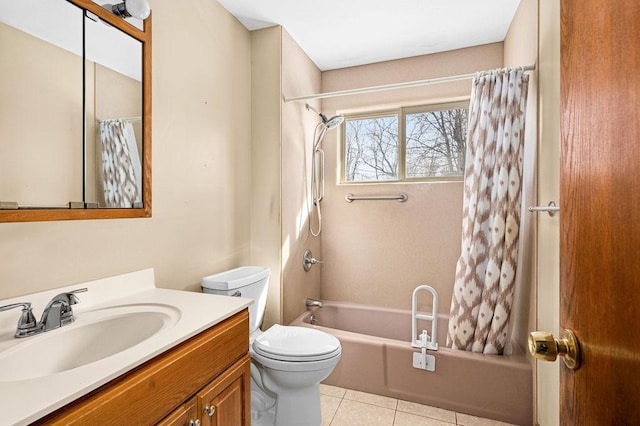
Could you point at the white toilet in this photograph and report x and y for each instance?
(287, 363)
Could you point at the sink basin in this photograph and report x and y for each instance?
(95, 335)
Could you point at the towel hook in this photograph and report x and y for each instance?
(552, 208)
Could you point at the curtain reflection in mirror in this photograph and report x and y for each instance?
(121, 169)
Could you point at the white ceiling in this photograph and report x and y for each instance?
(60, 23)
(344, 33)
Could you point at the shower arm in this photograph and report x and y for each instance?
(324, 117)
(309, 107)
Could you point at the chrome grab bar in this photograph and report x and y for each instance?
(402, 197)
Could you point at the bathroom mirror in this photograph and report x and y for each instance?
(75, 112)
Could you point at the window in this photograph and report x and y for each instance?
(409, 144)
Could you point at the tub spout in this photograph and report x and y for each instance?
(313, 303)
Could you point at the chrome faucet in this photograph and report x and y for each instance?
(56, 314)
(58, 311)
(313, 303)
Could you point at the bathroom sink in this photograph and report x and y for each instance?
(95, 335)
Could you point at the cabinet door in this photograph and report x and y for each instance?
(185, 415)
(226, 401)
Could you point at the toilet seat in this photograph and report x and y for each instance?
(296, 344)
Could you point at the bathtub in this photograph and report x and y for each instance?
(377, 358)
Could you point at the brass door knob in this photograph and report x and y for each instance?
(543, 346)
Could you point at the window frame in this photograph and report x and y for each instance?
(401, 113)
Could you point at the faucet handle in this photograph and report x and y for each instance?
(73, 299)
(71, 295)
(308, 260)
(27, 321)
(25, 305)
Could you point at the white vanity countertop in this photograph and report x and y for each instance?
(24, 401)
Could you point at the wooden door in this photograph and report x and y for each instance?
(600, 209)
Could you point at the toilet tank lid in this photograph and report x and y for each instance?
(235, 278)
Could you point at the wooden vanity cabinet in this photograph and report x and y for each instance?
(223, 402)
(186, 415)
(211, 370)
(220, 403)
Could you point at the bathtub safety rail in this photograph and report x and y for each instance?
(421, 359)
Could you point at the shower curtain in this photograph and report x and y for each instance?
(486, 270)
(121, 166)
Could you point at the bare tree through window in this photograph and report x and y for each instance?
(372, 149)
(434, 145)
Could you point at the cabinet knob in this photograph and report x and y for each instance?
(194, 422)
(210, 410)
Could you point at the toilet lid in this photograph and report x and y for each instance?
(292, 343)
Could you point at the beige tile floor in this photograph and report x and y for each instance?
(353, 408)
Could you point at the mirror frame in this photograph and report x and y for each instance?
(38, 215)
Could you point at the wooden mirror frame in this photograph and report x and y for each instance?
(144, 36)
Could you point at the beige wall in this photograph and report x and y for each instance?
(544, 252)
(40, 119)
(548, 252)
(300, 76)
(377, 252)
(281, 149)
(201, 171)
(266, 165)
(521, 48)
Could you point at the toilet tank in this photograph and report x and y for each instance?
(246, 281)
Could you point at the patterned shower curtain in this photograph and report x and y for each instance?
(121, 165)
(486, 270)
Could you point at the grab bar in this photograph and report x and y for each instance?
(402, 197)
(424, 341)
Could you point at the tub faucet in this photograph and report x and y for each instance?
(313, 303)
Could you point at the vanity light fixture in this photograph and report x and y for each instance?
(130, 8)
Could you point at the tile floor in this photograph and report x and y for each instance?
(353, 408)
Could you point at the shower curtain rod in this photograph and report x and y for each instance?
(390, 86)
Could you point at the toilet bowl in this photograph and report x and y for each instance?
(287, 363)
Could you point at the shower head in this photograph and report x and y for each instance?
(333, 121)
(329, 123)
